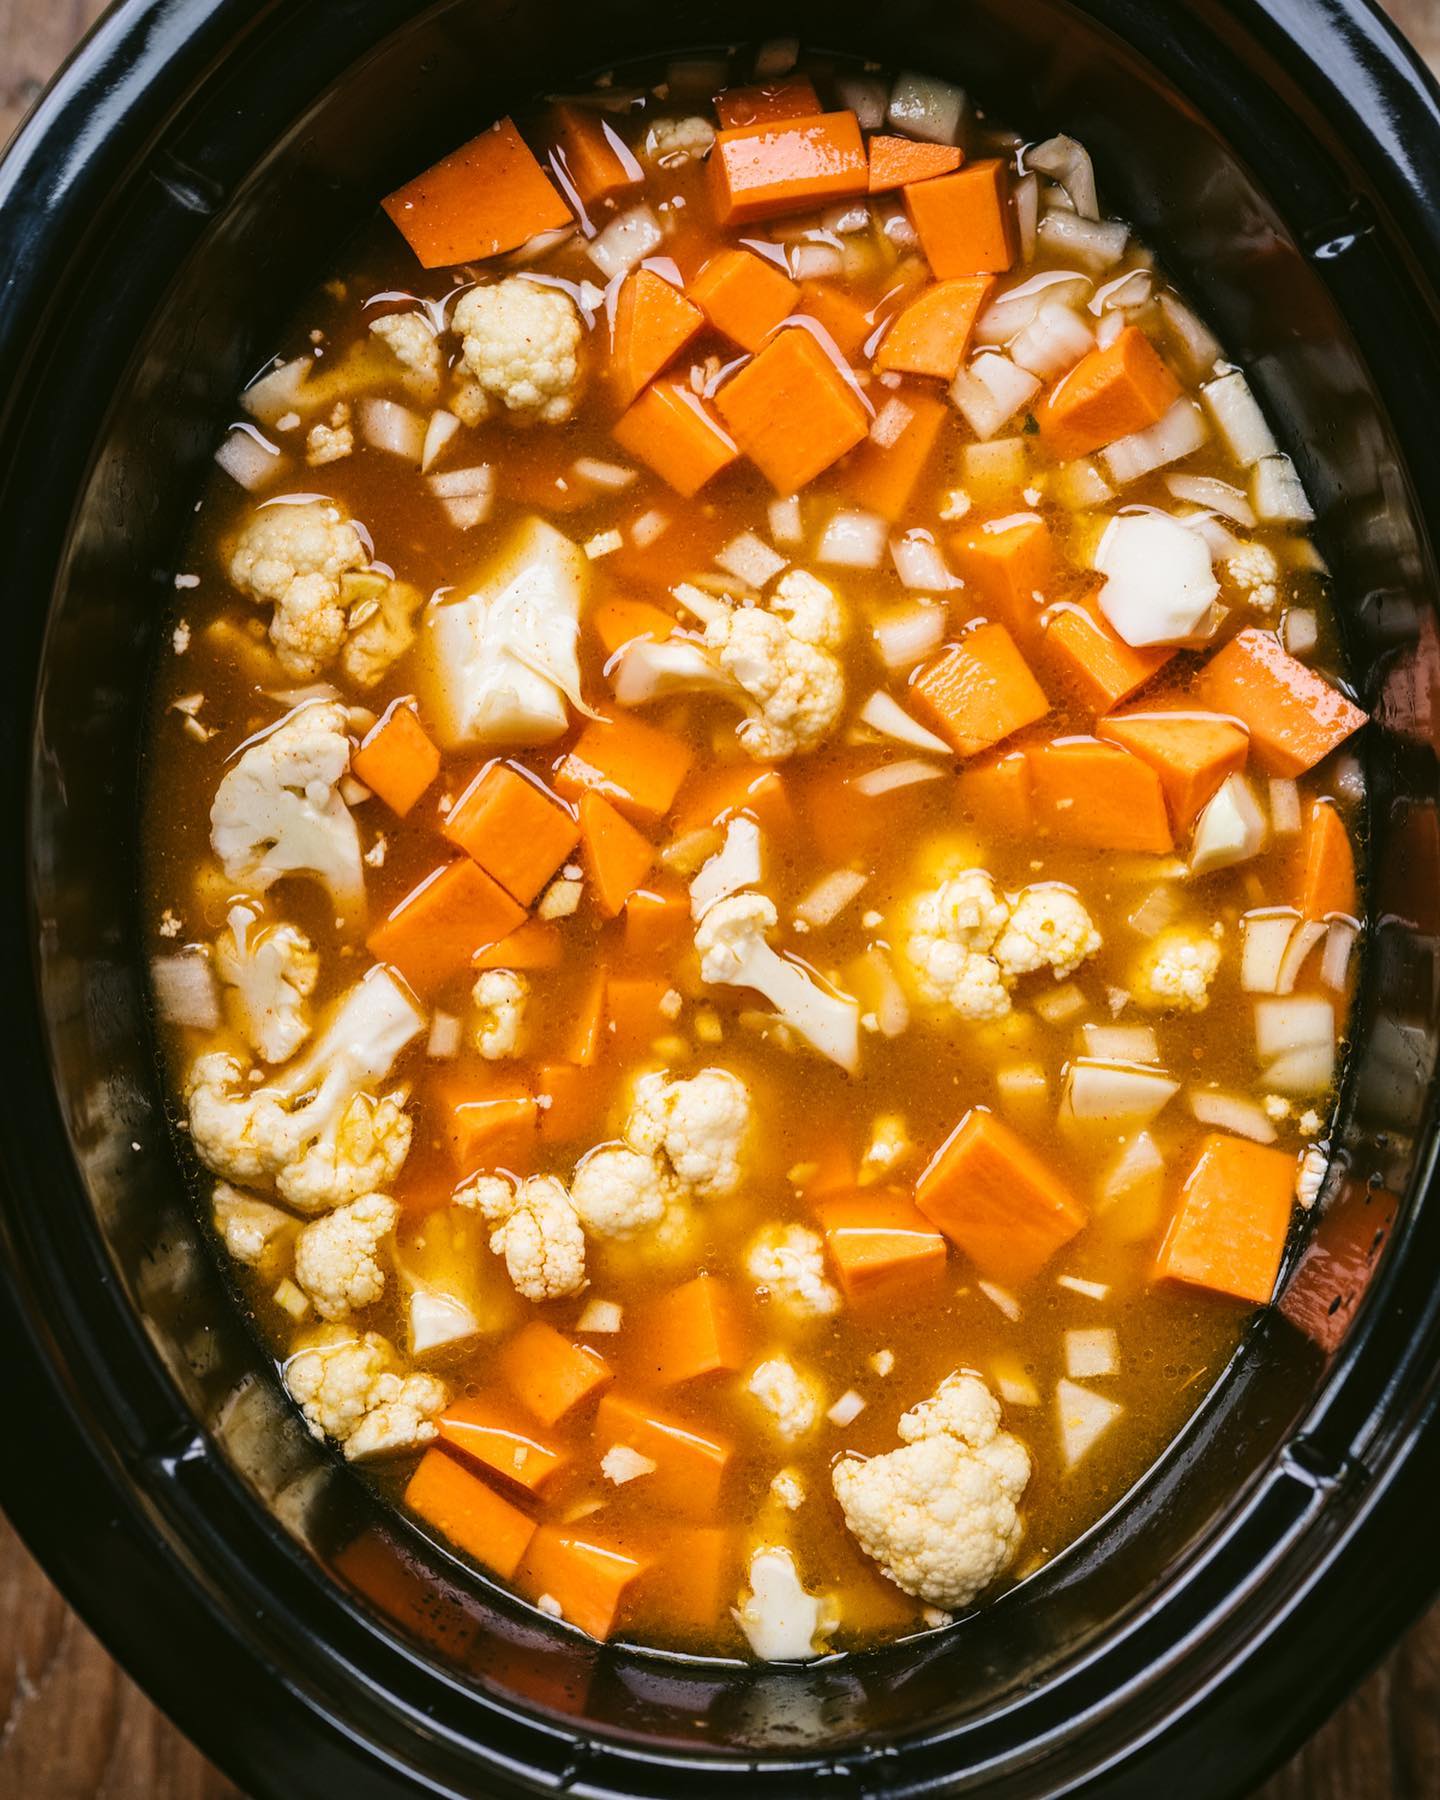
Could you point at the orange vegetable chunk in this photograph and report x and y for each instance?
(743, 296)
(548, 1374)
(587, 1038)
(689, 1467)
(996, 794)
(397, 759)
(635, 766)
(618, 621)
(1107, 395)
(713, 795)
(656, 920)
(564, 1096)
(1228, 1230)
(653, 324)
(789, 97)
(517, 832)
(588, 1581)
(592, 153)
(1098, 796)
(633, 1010)
(839, 315)
(670, 430)
(1003, 1204)
(878, 1242)
(979, 691)
(760, 171)
(791, 411)
(693, 1330)
(469, 1513)
(487, 197)
(965, 221)
(694, 1575)
(1191, 752)
(533, 945)
(1090, 657)
(882, 477)
(436, 929)
(896, 161)
(617, 856)
(1293, 716)
(490, 1121)
(1008, 566)
(487, 1433)
(932, 334)
(1324, 881)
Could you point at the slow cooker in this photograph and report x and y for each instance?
(197, 163)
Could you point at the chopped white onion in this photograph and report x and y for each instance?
(1109, 328)
(1053, 342)
(1058, 1004)
(926, 108)
(734, 866)
(1306, 935)
(441, 427)
(185, 990)
(1295, 1040)
(1155, 912)
(248, 458)
(846, 1409)
(1216, 496)
(785, 525)
(436, 1320)
(466, 494)
(1238, 418)
(1001, 1298)
(853, 540)
(1335, 963)
(649, 671)
(1219, 539)
(889, 423)
(277, 391)
(1068, 162)
(1123, 292)
(1285, 820)
(823, 903)
(892, 1009)
(1098, 242)
(647, 528)
(1121, 1043)
(866, 97)
(1199, 350)
(815, 262)
(1090, 1352)
(1229, 1112)
(908, 634)
(1135, 1180)
(1084, 1418)
(1012, 310)
(1012, 1384)
(1278, 494)
(919, 564)
(883, 713)
(1265, 937)
(1113, 1092)
(751, 560)
(625, 241)
(1092, 1290)
(600, 1316)
(1181, 431)
(388, 426)
(891, 776)
(1025, 197)
(991, 391)
(444, 1040)
(614, 478)
(1300, 630)
(1230, 829)
(1159, 583)
(1080, 485)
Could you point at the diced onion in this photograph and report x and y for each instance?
(1228, 1112)
(892, 1009)
(926, 108)
(185, 990)
(1285, 818)
(853, 540)
(1219, 540)
(1084, 1418)
(436, 1320)
(1181, 431)
(1012, 1384)
(823, 903)
(1335, 963)
(248, 458)
(441, 427)
(1109, 328)
(1238, 418)
(444, 1040)
(1025, 196)
(845, 220)
(919, 564)
(890, 422)
(1023, 1085)
(277, 391)
(647, 528)
(866, 97)
(1098, 242)
(908, 634)
(1306, 935)
(994, 470)
(1059, 1003)
(1092, 1290)
(1114, 1092)
(600, 1316)
(1199, 350)
(750, 559)
(1000, 1298)
(991, 391)
(1295, 1039)
(1080, 485)
(1230, 829)
(1300, 630)
(625, 241)
(785, 525)
(1013, 310)
(1053, 342)
(1122, 1043)
(883, 713)
(466, 494)
(892, 776)
(612, 477)
(1265, 937)
(1132, 289)
(388, 426)
(1132, 1190)
(1216, 496)
(1068, 162)
(1277, 493)
(815, 262)
(1090, 1352)
(1154, 912)
(846, 1409)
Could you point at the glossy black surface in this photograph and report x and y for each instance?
(156, 217)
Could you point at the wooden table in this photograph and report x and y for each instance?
(72, 1727)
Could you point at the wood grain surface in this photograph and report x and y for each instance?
(72, 1727)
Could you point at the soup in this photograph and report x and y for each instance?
(750, 850)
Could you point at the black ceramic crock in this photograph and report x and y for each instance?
(196, 164)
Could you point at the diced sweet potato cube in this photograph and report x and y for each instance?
(470, 1514)
(533, 945)
(588, 1581)
(1003, 1204)
(488, 1120)
(1294, 717)
(715, 794)
(996, 794)
(882, 476)
(548, 1374)
(633, 765)
(979, 691)
(1191, 752)
(932, 334)
(895, 162)
(487, 197)
(1229, 1229)
(397, 759)
(634, 1011)
(437, 928)
(1107, 395)
(617, 856)
(1323, 879)
(671, 431)
(743, 296)
(514, 829)
(965, 221)
(1090, 657)
(563, 1099)
(488, 1433)
(694, 1577)
(1008, 566)
(657, 919)
(1097, 796)
(689, 1467)
(596, 159)
(760, 171)
(839, 315)
(790, 97)
(791, 411)
(619, 621)
(653, 324)
(587, 1034)
(693, 1330)
(878, 1242)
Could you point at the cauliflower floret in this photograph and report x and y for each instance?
(890, 1144)
(336, 1258)
(351, 1388)
(332, 441)
(542, 1241)
(671, 142)
(279, 812)
(380, 625)
(699, 1126)
(781, 658)
(1176, 970)
(248, 1227)
(953, 930)
(781, 1619)
(295, 557)
(492, 1196)
(940, 1514)
(787, 1488)
(411, 340)
(789, 1260)
(1048, 929)
(731, 942)
(520, 343)
(272, 970)
(619, 1192)
(499, 997)
(312, 1129)
(791, 1399)
(1253, 567)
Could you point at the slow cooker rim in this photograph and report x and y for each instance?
(128, 40)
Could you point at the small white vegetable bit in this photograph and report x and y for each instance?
(1159, 584)
(1084, 1418)
(923, 107)
(1230, 830)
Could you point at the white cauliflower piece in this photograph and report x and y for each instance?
(337, 1258)
(1254, 569)
(781, 1619)
(619, 1192)
(312, 1129)
(279, 812)
(272, 971)
(940, 1514)
(789, 1261)
(410, 339)
(791, 1399)
(542, 1241)
(1176, 969)
(352, 1389)
(1049, 928)
(332, 442)
(699, 1126)
(731, 942)
(499, 998)
(295, 557)
(492, 1196)
(671, 142)
(890, 1144)
(781, 658)
(787, 1488)
(521, 344)
(247, 1227)
(380, 625)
